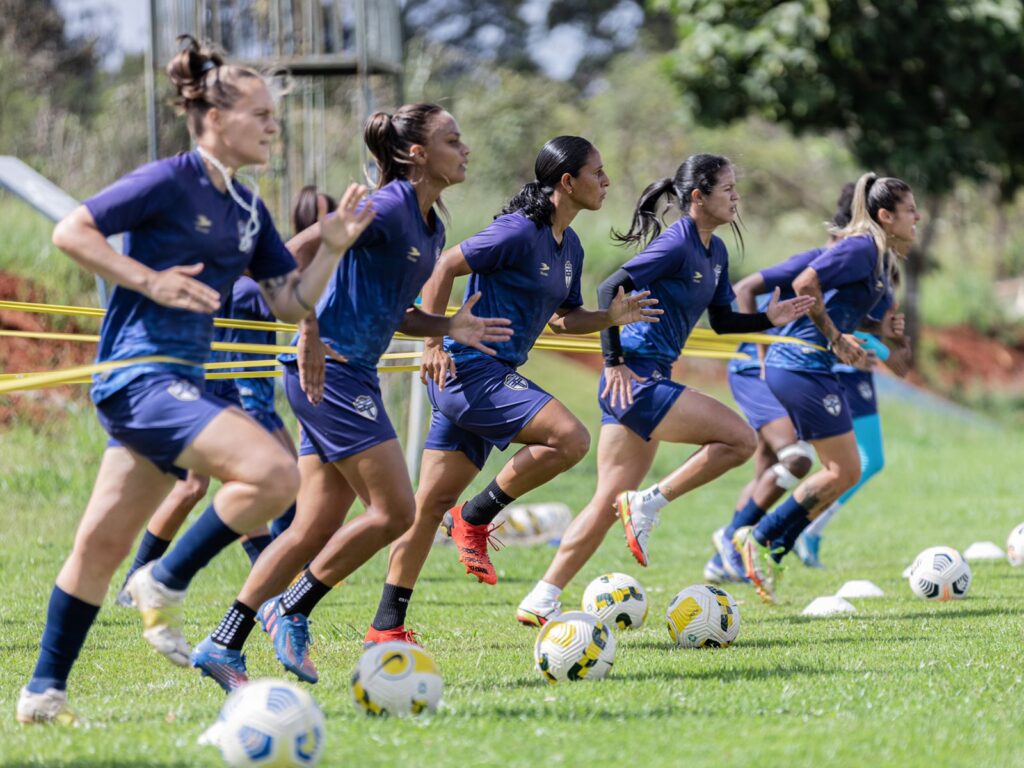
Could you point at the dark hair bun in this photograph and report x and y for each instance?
(188, 68)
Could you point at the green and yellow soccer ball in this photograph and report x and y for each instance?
(617, 598)
(271, 724)
(575, 646)
(396, 678)
(703, 616)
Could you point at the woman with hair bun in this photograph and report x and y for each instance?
(348, 446)
(686, 268)
(192, 230)
(526, 265)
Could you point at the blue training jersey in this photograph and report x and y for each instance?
(174, 216)
(852, 286)
(379, 278)
(247, 303)
(686, 278)
(524, 275)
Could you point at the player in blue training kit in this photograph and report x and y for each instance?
(526, 265)
(191, 232)
(686, 268)
(848, 281)
(348, 446)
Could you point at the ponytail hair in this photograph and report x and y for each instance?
(304, 208)
(390, 136)
(871, 195)
(203, 81)
(559, 156)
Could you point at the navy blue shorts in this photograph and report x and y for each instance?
(225, 389)
(757, 402)
(158, 415)
(815, 402)
(860, 392)
(349, 420)
(485, 406)
(652, 398)
(269, 420)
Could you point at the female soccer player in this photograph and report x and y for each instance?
(348, 445)
(527, 265)
(856, 273)
(686, 268)
(192, 230)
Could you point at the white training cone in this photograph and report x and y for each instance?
(984, 550)
(828, 606)
(859, 588)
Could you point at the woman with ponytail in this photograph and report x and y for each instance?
(686, 268)
(192, 230)
(526, 265)
(856, 274)
(348, 447)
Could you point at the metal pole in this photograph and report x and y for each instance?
(151, 105)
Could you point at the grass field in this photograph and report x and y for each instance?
(902, 682)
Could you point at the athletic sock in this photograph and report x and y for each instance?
(234, 628)
(774, 525)
(818, 524)
(254, 546)
(304, 594)
(788, 539)
(651, 500)
(280, 525)
(394, 602)
(544, 592)
(750, 514)
(485, 506)
(200, 544)
(68, 620)
(150, 548)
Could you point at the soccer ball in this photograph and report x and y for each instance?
(271, 723)
(396, 678)
(617, 598)
(575, 646)
(1015, 546)
(940, 573)
(703, 616)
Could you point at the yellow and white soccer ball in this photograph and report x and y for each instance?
(575, 646)
(271, 723)
(617, 598)
(1015, 546)
(703, 616)
(396, 678)
(940, 574)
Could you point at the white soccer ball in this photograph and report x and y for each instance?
(703, 616)
(940, 573)
(271, 723)
(396, 678)
(617, 598)
(575, 646)
(1015, 546)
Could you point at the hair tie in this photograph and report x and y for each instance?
(207, 66)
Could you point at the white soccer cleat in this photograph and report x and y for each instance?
(537, 613)
(160, 607)
(50, 706)
(636, 523)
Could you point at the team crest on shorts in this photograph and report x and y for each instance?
(183, 390)
(568, 274)
(366, 407)
(865, 390)
(516, 383)
(656, 376)
(832, 404)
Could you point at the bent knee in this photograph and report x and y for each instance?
(395, 522)
(280, 483)
(743, 444)
(102, 549)
(573, 445)
(798, 466)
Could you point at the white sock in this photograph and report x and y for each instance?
(652, 500)
(818, 524)
(543, 592)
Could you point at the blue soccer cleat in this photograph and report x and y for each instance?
(714, 572)
(225, 666)
(729, 557)
(290, 635)
(808, 548)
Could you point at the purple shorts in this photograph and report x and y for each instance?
(652, 398)
(815, 402)
(349, 420)
(158, 415)
(485, 406)
(757, 402)
(860, 392)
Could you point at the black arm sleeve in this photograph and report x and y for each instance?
(724, 320)
(611, 346)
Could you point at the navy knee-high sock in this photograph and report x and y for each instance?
(280, 525)
(150, 548)
(775, 524)
(254, 546)
(200, 544)
(750, 514)
(68, 620)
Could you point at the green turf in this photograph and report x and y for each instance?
(902, 682)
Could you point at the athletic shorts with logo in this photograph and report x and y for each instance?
(349, 420)
(652, 397)
(755, 399)
(816, 402)
(860, 392)
(484, 407)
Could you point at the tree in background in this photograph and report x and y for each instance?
(931, 91)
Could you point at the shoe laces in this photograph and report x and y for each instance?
(480, 537)
(298, 629)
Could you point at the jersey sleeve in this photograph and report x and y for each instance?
(496, 246)
(270, 258)
(783, 274)
(135, 199)
(662, 257)
(848, 261)
(575, 297)
(724, 294)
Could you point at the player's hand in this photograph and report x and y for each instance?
(634, 308)
(894, 325)
(177, 287)
(899, 356)
(466, 328)
(339, 231)
(848, 348)
(618, 385)
(436, 365)
(784, 312)
(312, 354)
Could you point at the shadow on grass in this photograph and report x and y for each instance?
(773, 642)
